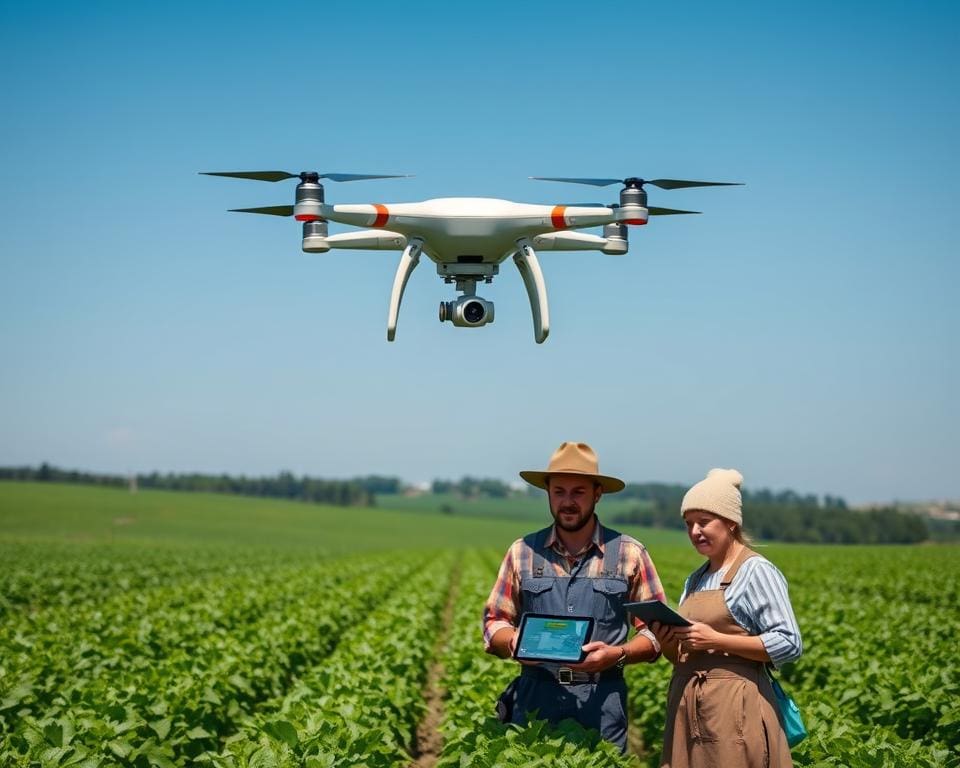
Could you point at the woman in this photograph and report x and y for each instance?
(721, 709)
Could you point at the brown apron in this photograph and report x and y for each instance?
(720, 708)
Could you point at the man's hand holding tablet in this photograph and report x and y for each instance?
(541, 637)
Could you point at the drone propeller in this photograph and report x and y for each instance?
(636, 182)
(633, 195)
(304, 176)
(654, 211)
(270, 210)
(309, 191)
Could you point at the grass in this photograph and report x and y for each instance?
(78, 513)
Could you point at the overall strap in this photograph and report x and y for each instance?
(745, 554)
(612, 541)
(536, 543)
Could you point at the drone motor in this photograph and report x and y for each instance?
(309, 198)
(633, 198)
(315, 236)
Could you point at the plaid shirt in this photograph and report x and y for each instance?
(503, 607)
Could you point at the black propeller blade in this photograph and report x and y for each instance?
(654, 211)
(305, 176)
(270, 210)
(592, 182)
(682, 184)
(638, 182)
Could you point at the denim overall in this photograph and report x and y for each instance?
(595, 701)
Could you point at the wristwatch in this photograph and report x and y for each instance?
(622, 661)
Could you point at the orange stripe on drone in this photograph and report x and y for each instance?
(556, 216)
(382, 215)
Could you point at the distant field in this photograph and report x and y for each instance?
(514, 507)
(87, 513)
(162, 629)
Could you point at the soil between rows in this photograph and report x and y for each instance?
(428, 742)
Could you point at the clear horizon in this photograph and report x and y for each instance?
(515, 484)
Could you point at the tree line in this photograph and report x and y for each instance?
(473, 487)
(668, 496)
(358, 492)
(783, 516)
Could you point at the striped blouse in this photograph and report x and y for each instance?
(758, 601)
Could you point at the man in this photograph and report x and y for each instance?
(581, 568)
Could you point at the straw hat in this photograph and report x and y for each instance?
(573, 459)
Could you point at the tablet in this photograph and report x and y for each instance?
(542, 637)
(653, 610)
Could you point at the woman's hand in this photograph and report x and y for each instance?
(665, 632)
(667, 635)
(699, 637)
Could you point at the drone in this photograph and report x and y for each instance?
(468, 237)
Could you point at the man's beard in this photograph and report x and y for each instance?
(586, 515)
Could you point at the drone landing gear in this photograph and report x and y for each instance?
(408, 262)
(526, 260)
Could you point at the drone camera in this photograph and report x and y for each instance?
(467, 312)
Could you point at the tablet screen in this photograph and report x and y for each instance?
(553, 638)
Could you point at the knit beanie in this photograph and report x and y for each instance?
(719, 493)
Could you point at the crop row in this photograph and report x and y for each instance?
(142, 656)
(40, 575)
(152, 620)
(879, 675)
(181, 680)
(360, 706)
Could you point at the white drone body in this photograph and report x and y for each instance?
(467, 237)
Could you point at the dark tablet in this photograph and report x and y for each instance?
(553, 638)
(653, 610)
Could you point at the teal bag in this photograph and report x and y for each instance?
(789, 713)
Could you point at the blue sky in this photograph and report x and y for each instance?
(803, 330)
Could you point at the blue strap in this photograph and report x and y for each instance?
(612, 541)
(537, 542)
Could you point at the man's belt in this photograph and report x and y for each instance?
(567, 676)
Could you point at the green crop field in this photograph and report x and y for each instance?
(167, 629)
